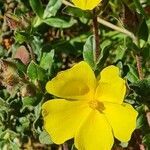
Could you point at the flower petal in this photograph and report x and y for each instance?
(76, 83)
(111, 87)
(62, 118)
(122, 119)
(95, 133)
(86, 4)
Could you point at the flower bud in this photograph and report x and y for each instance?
(9, 76)
(27, 90)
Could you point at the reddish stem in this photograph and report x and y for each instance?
(96, 36)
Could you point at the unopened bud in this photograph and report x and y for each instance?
(22, 54)
(9, 76)
(28, 90)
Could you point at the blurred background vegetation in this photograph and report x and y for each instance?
(38, 38)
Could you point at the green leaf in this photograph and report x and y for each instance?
(142, 91)
(135, 48)
(141, 121)
(140, 8)
(132, 75)
(2, 51)
(146, 52)
(47, 60)
(25, 122)
(21, 37)
(31, 101)
(142, 88)
(37, 45)
(52, 8)
(103, 57)
(8, 134)
(35, 72)
(37, 7)
(14, 146)
(3, 105)
(21, 68)
(119, 54)
(45, 138)
(76, 12)
(73, 147)
(37, 22)
(146, 140)
(143, 32)
(59, 23)
(88, 52)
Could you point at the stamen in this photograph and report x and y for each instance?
(96, 105)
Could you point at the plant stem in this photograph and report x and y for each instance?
(138, 60)
(67, 3)
(106, 23)
(31, 52)
(139, 66)
(65, 146)
(131, 35)
(138, 138)
(96, 36)
(116, 28)
(60, 147)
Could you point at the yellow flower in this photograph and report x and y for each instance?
(86, 4)
(90, 111)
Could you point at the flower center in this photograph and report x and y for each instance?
(96, 105)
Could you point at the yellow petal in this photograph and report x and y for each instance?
(86, 4)
(95, 133)
(76, 83)
(111, 87)
(122, 118)
(62, 118)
